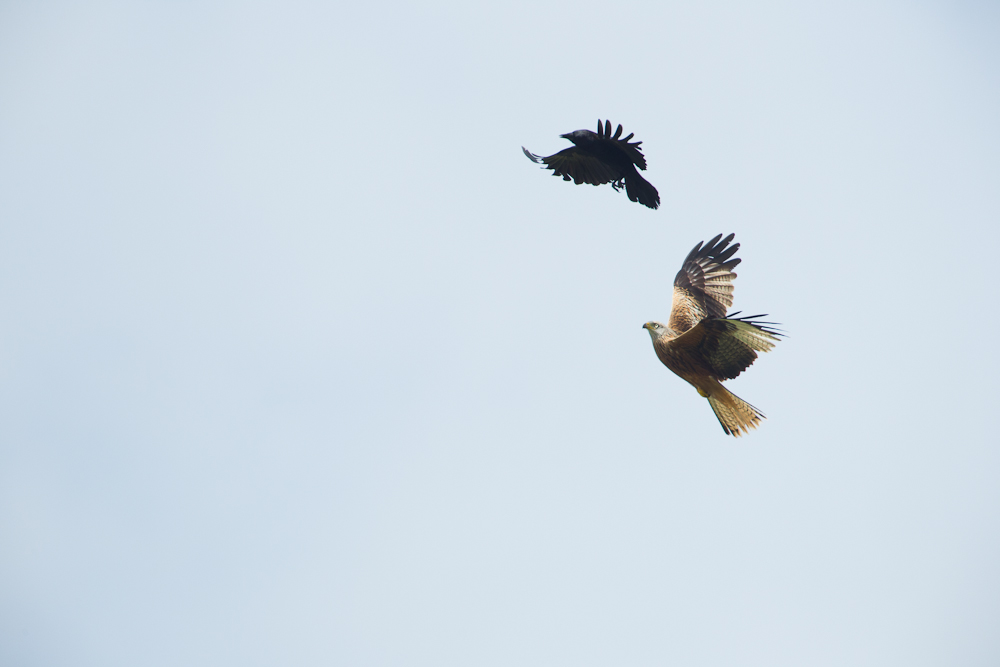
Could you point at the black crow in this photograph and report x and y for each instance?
(598, 158)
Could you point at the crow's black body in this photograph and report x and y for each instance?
(597, 158)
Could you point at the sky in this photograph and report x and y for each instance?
(302, 362)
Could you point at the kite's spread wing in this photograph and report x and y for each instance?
(704, 285)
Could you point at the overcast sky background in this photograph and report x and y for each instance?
(303, 363)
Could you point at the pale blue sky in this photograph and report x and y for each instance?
(303, 363)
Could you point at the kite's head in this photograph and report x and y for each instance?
(655, 329)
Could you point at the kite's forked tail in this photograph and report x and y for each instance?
(736, 415)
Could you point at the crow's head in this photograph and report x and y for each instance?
(580, 136)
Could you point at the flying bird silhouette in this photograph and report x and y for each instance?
(703, 345)
(598, 158)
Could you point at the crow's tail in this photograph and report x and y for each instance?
(641, 190)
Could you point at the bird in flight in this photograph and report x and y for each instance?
(598, 158)
(703, 345)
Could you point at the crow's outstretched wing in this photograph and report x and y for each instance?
(575, 165)
(631, 150)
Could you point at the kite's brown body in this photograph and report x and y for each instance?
(704, 346)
